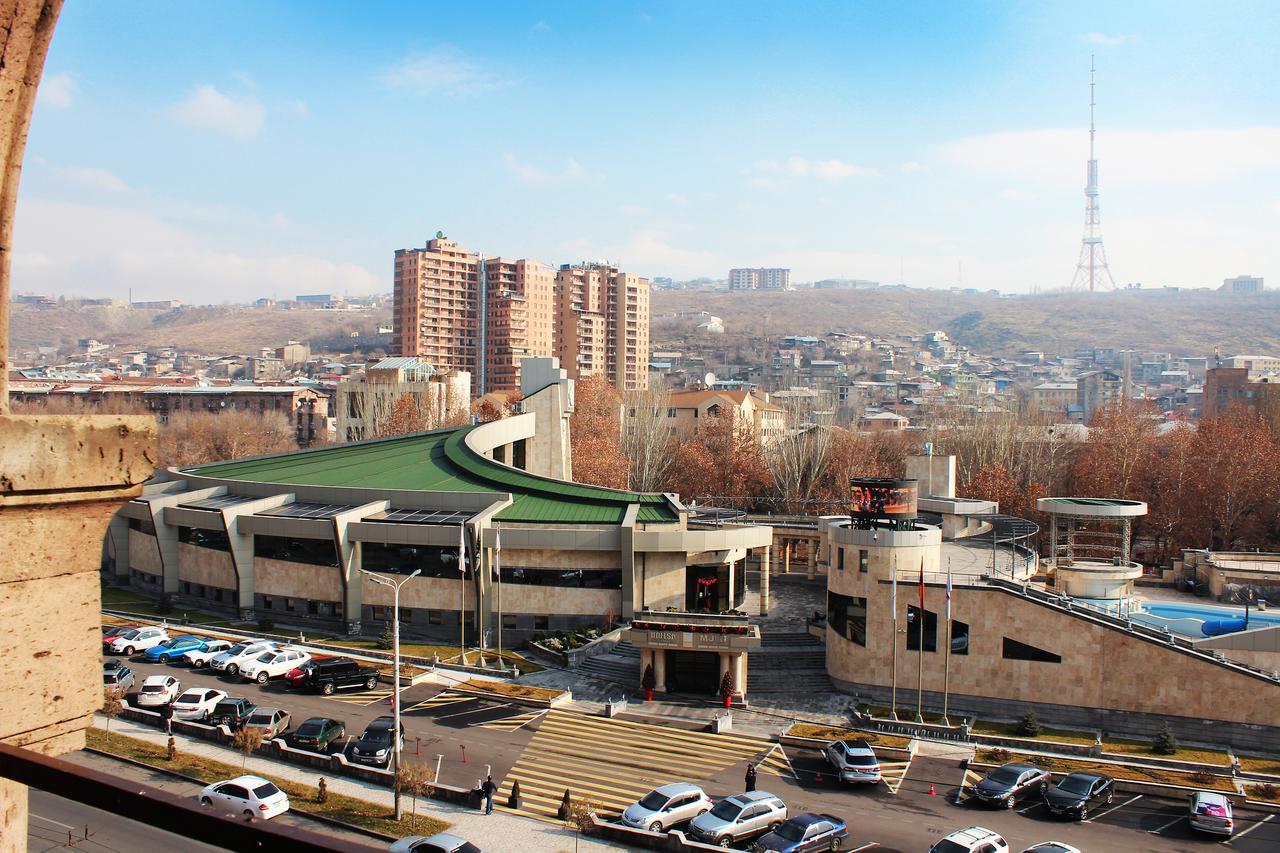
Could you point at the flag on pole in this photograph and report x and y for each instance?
(948, 592)
(462, 549)
(497, 554)
(893, 605)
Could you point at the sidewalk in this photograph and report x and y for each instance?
(497, 832)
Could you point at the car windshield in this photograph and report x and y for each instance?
(726, 810)
(377, 736)
(861, 759)
(267, 657)
(653, 801)
(946, 845)
(110, 677)
(259, 719)
(152, 688)
(237, 648)
(791, 831)
(265, 790)
(130, 634)
(1005, 775)
(165, 644)
(310, 728)
(1075, 784)
(225, 708)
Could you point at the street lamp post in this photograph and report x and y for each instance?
(395, 692)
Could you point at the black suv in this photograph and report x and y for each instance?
(374, 746)
(330, 674)
(231, 713)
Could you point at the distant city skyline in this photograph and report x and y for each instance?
(228, 152)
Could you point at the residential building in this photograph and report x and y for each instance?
(760, 278)
(1242, 284)
(1053, 397)
(320, 300)
(1257, 365)
(883, 422)
(294, 353)
(366, 405)
(1096, 390)
(602, 324)
(690, 409)
(520, 312)
(165, 304)
(1225, 387)
(436, 313)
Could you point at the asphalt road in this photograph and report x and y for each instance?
(493, 735)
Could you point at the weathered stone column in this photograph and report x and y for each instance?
(786, 556)
(764, 581)
(811, 570)
(659, 670)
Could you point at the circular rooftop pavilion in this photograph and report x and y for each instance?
(1089, 545)
(1092, 507)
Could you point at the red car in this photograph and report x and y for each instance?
(110, 633)
(298, 674)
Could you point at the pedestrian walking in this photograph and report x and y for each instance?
(166, 714)
(489, 789)
(751, 777)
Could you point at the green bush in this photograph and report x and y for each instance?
(1165, 743)
(164, 606)
(1029, 725)
(385, 639)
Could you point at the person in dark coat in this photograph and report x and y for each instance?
(751, 777)
(488, 788)
(166, 714)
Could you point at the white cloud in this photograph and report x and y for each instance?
(676, 198)
(911, 167)
(80, 249)
(440, 72)
(799, 167)
(296, 107)
(91, 179)
(538, 177)
(57, 90)
(1057, 156)
(1017, 195)
(1108, 39)
(206, 108)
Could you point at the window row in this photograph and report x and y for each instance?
(143, 525)
(210, 593)
(214, 539)
(299, 606)
(315, 552)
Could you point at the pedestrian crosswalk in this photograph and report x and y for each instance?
(892, 773)
(776, 761)
(361, 697)
(511, 723)
(612, 763)
(439, 701)
(971, 778)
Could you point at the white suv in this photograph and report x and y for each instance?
(158, 690)
(138, 640)
(854, 759)
(197, 703)
(197, 658)
(238, 655)
(973, 839)
(272, 664)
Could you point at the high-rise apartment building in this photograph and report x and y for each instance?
(460, 313)
(602, 324)
(1249, 284)
(760, 278)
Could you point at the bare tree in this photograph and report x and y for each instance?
(646, 437)
(247, 739)
(192, 438)
(796, 460)
(581, 819)
(417, 780)
(112, 707)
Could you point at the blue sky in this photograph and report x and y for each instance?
(219, 152)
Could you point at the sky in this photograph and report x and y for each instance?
(218, 152)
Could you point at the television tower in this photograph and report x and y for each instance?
(1092, 267)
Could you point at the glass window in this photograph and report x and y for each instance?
(508, 621)
(847, 616)
(580, 578)
(840, 559)
(959, 637)
(268, 602)
(313, 607)
(913, 629)
(433, 617)
(1014, 650)
(541, 623)
(289, 604)
(316, 552)
(214, 539)
(433, 562)
(863, 561)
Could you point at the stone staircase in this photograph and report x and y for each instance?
(788, 661)
(621, 665)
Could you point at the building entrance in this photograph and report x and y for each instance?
(693, 672)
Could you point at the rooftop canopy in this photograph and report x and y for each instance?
(441, 462)
(1092, 507)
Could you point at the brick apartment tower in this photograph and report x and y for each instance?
(437, 305)
(602, 324)
(520, 308)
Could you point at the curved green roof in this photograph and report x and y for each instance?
(442, 462)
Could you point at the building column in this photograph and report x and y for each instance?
(729, 597)
(764, 581)
(740, 674)
(812, 568)
(659, 670)
(786, 556)
(646, 659)
(724, 667)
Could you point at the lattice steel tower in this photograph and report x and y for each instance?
(1092, 267)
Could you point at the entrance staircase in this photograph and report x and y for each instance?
(788, 661)
(621, 665)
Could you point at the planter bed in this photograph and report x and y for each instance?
(812, 731)
(541, 696)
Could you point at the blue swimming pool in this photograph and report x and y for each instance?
(1189, 619)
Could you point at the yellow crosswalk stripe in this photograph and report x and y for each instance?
(971, 777)
(776, 761)
(613, 763)
(363, 697)
(511, 723)
(439, 700)
(892, 773)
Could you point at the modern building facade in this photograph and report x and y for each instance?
(1242, 284)
(398, 392)
(602, 324)
(759, 278)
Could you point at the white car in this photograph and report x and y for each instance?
(158, 690)
(854, 759)
(1210, 812)
(197, 658)
(138, 640)
(1052, 847)
(247, 796)
(973, 839)
(197, 703)
(668, 806)
(272, 664)
(235, 657)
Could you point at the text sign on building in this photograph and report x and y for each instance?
(668, 638)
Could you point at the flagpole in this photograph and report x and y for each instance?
(497, 569)
(462, 593)
(946, 667)
(893, 701)
(920, 667)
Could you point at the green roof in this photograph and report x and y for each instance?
(442, 462)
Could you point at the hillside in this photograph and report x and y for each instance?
(211, 330)
(1182, 323)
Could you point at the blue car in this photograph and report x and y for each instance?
(174, 648)
(804, 833)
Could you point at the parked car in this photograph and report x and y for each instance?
(271, 721)
(248, 796)
(157, 690)
(137, 640)
(441, 842)
(197, 703)
(117, 678)
(1003, 786)
(197, 658)
(668, 806)
(330, 674)
(231, 712)
(804, 833)
(374, 746)
(235, 657)
(855, 760)
(272, 664)
(1075, 792)
(317, 733)
(110, 632)
(1052, 847)
(739, 817)
(1210, 812)
(973, 839)
(173, 648)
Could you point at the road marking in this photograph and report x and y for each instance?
(1026, 809)
(1102, 814)
(472, 711)
(1161, 829)
(440, 700)
(512, 723)
(363, 697)
(1242, 833)
(776, 761)
(865, 847)
(893, 774)
(68, 827)
(971, 777)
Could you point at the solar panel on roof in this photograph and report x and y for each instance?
(306, 510)
(421, 516)
(220, 502)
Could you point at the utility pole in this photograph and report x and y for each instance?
(396, 739)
